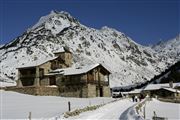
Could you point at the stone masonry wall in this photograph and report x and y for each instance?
(52, 91)
(75, 91)
(44, 81)
(46, 66)
(106, 91)
(91, 90)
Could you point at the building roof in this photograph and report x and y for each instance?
(62, 49)
(136, 91)
(177, 85)
(159, 86)
(172, 90)
(36, 63)
(75, 71)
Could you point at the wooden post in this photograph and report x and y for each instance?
(155, 115)
(29, 117)
(69, 106)
(108, 80)
(36, 80)
(99, 84)
(89, 103)
(19, 83)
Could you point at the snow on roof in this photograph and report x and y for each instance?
(159, 86)
(124, 93)
(177, 85)
(62, 49)
(136, 91)
(172, 90)
(36, 63)
(75, 71)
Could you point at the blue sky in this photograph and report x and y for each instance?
(145, 21)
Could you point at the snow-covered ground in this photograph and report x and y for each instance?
(17, 106)
(163, 109)
(110, 111)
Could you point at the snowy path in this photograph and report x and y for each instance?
(110, 111)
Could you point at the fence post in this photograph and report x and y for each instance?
(145, 111)
(69, 106)
(155, 115)
(29, 116)
(89, 102)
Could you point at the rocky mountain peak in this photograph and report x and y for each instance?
(56, 21)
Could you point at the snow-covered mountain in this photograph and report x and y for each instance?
(129, 62)
(170, 74)
(170, 48)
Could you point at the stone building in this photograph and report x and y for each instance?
(166, 90)
(56, 76)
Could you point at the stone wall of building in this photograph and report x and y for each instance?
(44, 81)
(46, 66)
(59, 80)
(68, 59)
(91, 90)
(74, 91)
(98, 75)
(106, 91)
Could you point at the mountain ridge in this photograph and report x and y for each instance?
(129, 61)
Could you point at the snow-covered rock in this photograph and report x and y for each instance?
(170, 49)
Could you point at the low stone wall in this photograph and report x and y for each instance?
(71, 94)
(172, 100)
(83, 91)
(78, 111)
(53, 91)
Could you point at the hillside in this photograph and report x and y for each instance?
(170, 74)
(170, 48)
(129, 62)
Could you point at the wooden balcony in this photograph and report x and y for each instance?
(28, 76)
(81, 82)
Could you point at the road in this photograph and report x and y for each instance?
(110, 111)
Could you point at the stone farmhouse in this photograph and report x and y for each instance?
(165, 91)
(58, 76)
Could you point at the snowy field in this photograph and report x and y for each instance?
(163, 109)
(17, 106)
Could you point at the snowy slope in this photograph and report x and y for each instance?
(129, 62)
(17, 106)
(162, 109)
(170, 48)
